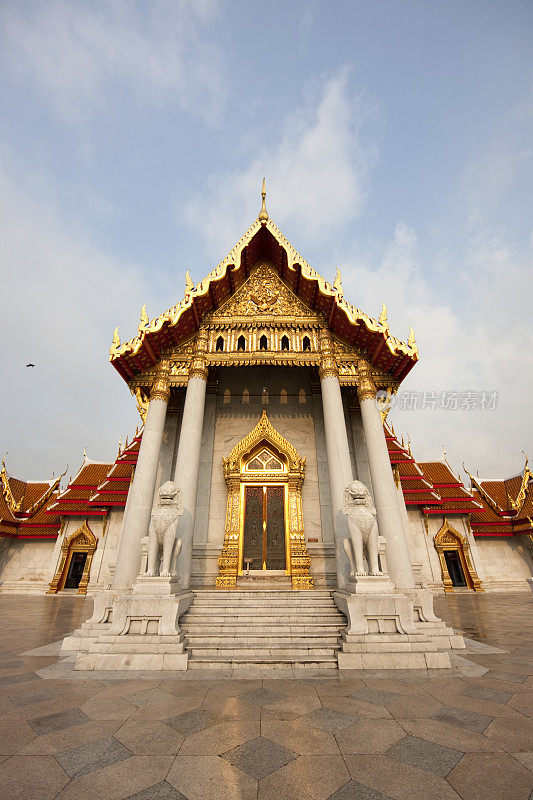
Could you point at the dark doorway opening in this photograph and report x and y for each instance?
(75, 570)
(455, 568)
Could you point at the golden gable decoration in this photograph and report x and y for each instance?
(264, 293)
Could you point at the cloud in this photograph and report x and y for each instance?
(316, 170)
(473, 333)
(62, 299)
(79, 55)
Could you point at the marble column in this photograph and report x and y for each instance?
(338, 452)
(390, 522)
(188, 460)
(141, 494)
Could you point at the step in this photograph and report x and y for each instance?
(264, 659)
(290, 594)
(262, 622)
(259, 629)
(287, 648)
(213, 603)
(273, 641)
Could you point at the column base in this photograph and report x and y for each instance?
(135, 631)
(393, 630)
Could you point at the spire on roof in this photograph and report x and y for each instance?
(145, 319)
(383, 318)
(6, 489)
(337, 283)
(263, 214)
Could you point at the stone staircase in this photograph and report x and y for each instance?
(262, 627)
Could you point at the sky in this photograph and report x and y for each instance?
(397, 143)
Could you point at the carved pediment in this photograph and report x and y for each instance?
(265, 295)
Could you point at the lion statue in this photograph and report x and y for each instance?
(363, 528)
(168, 507)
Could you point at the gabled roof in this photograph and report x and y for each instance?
(432, 485)
(24, 506)
(417, 489)
(263, 241)
(507, 504)
(74, 500)
(113, 489)
(99, 485)
(456, 499)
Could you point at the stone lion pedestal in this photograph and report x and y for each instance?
(387, 628)
(140, 630)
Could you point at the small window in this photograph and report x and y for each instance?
(264, 461)
(227, 397)
(245, 396)
(264, 396)
(301, 396)
(263, 343)
(284, 342)
(283, 397)
(306, 343)
(220, 344)
(241, 343)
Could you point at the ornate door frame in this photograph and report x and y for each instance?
(82, 540)
(447, 538)
(237, 477)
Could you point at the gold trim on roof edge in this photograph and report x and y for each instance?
(517, 504)
(15, 507)
(174, 313)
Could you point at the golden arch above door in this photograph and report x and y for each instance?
(264, 467)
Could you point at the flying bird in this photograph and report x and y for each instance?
(30, 365)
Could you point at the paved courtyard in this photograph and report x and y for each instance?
(462, 733)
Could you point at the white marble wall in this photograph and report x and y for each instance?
(25, 564)
(507, 562)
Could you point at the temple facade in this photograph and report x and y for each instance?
(262, 395)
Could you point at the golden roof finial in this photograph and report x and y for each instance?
(115, 344)
(383, 319)
(411, 340)
(337, 283)
(188, 282)
(85, 453)
(263, 214)
(444, 451)
(145, 319)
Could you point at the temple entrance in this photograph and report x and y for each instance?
(456, 564)
(74, 565)
(264, 541)
(264, 522)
